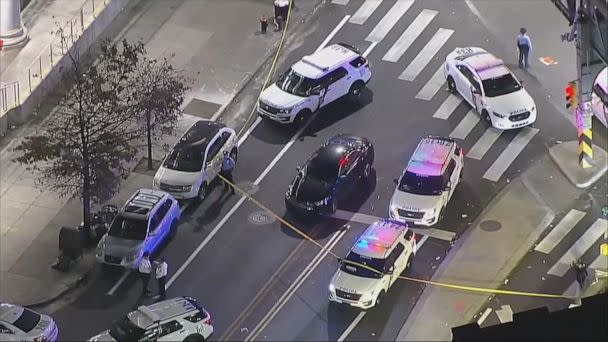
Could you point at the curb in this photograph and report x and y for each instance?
(83, 279)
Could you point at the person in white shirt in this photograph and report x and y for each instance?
(145, 268)
(161, 275)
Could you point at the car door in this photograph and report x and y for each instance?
(336, 85)
(397, 260)
(347, 174)
(213, 158)
(151, 333)
(463, 85)
(172, 331)
(154, 233)
(452, 177)
(476, 92)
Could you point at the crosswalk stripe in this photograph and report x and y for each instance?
(426, 54)
(579, 248)
(465, 126)
(447, 107)
(389, 20)
(510, 153)
(600, 263)
(562, 229)
(484, 143)
(409, 35)
(572, 290)
(432, 86)
(365, 11)
(340, 2)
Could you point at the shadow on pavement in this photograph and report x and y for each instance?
(273, 133)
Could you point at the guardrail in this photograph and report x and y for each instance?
(13, 95)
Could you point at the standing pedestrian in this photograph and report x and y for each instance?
(524, 45)
(161, 276)
(226, 172)
(580, 268)
(145, 268)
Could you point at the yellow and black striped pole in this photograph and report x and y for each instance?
(585, 138)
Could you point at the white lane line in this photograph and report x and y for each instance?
(352, 326)
(249, 130)
(389, 20)
(365, 11)
(484, 316)
(447, 107)
(510, 153)
(369, 49)
(579, 248)
(238, 204)
(357, 319)
(295, 285)
(340, 2)
(432, 86)
(409, 35)
(369, 219)
(558, 232)
(119, 282)
(484, 143)
(600, 263)
(465, 126)
(426, 54)
(333, 32)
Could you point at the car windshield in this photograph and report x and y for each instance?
(502, 85)
(125, 330)
(420, 184)
(27, 321)
(354, 269)
(128, 228)
(294, 83)
(322, 169)
(185, 160)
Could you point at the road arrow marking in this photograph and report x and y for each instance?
(505, 314)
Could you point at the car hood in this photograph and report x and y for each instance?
(353, 284)
(173, 177)
(104, 336)
(408, 201)
(511, 104)
(278, 98)
(119, 247)
(309, 189)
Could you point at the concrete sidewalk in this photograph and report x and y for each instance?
(219, 39)
(487, 252)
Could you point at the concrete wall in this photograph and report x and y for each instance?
(24, 112)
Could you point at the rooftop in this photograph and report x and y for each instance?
(316, 64)
(378, 238)
(143, 201)
(430, 156)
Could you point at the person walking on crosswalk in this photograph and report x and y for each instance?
(524, 45)
(580, 269)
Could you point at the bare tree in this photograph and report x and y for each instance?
(85, 147)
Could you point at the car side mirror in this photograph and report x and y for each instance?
(340, 260)
(475, 91)
(298, 168)
(395, 180)
(315, 92)
(391, 269)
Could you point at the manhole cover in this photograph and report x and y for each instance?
(248, 187)
(261, 217)
(490, 225)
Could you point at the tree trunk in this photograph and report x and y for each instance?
(149, 129)
(86, 196)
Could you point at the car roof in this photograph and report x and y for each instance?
(332, 151)
(199, 134)
(486, 65)
(10, 313)
(142, 202)
(431, 156)
(144, 316)
(378, 239)
(327, 59)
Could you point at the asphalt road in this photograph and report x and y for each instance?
(246, 266)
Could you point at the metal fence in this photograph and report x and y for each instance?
(13, 94)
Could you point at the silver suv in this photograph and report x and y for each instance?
(147, 219)
(176, 319)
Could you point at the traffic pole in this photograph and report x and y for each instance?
(585, 135)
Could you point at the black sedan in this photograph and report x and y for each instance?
(330, 175)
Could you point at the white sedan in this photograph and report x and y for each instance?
(490, 87)
(22, 324)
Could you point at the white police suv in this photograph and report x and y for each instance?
(490, 87)
(314, 82)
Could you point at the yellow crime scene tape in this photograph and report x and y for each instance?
(311, 240)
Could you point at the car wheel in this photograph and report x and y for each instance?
(441, 214)
(234, 153)
(367, 170)
(193, 338)
(173, 230)
(486, 116)
(302, 118)
(203, 191)
(451, 85)
(409, 262)
(461, 176)
(334, 205)
(380, 298)
(355, 92)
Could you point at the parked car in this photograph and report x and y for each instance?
(427, 182)
(22, 324)
(147, 219)
(330, 175)
(599, 98)
(388, 248)
(314, 82)
(176, 319)
(195, 160)
(485, 82)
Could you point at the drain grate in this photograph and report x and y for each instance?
(261, 217)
